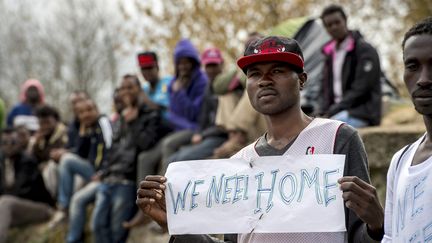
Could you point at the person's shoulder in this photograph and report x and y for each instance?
(27, 159)
(346, 133)
(246, 151)
(166, 79)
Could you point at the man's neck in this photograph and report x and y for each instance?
(340, 41)
(153, 84)
(428, 124)
(284, 127)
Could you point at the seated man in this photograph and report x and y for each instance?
(23, 196)
(94, 138)
(351, 87)
(208, 136)
(52, 135)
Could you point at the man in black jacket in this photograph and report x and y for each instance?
(139, 129)
(351, 89)
(23, 196)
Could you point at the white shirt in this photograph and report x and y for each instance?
(408, 208)
(322, 143)
(338, 62)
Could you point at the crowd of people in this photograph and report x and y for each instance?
(52, 170)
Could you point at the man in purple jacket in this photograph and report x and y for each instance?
(186, 93)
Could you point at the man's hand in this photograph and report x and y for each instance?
(56, 154)
(362, 198)
(151, 199)
(130, 113)
(196, 138)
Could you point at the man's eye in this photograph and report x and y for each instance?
(252, 74)
(411, 66)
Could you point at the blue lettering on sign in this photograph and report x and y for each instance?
(194, 194)
(181, 198)
(400, 218)
(288, 199)
(418, 190)
(214, 191)
(227, 189)
(328, 186)
(427, 232)
(310, 181)
(238, 189)
(261, 190)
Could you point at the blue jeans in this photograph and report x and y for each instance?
(344, 116)
(69, 166)
(77, 211)
(201, 150)
(115, 204)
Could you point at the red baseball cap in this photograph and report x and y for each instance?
(211, 55)
(147, 59)
(273, 48)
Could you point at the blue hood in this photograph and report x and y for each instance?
(184, 48)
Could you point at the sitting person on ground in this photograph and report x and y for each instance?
(23, 197)
(186, 92)
(351, 87)
(74, 125)
(137, 128)
(94, 139)
(155, 87)
(31, 97)
(202, 143)
(208, 136)
(52, 135)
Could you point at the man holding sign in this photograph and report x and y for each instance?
(275, 75)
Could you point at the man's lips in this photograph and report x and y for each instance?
(267, 92)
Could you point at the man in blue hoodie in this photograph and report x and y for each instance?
(186, 93)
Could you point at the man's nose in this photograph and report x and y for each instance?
(425, 79)
(266, 80)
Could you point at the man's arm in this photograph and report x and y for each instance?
(364, 214)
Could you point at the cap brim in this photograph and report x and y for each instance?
(147, 65)
(211, 61)
(287, 57)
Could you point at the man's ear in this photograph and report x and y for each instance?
(303, 78)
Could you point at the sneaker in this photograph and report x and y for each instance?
(59, 217)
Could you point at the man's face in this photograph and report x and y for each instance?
(417, 56)
(32, 95)
(9, 144)
(47, 125)
(212, 70)
(184, 67)
(129, 90)
(273, 87)
(74, 98)
(150, 74)
(336, 26)
(23, 137)
(118, 102)
(87, 112)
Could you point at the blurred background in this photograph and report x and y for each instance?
(79, 44)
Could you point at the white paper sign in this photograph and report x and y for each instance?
(267, 195)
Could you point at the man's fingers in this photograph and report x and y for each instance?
(151, 185)
(351, 196)
(142, 193)
(356, 180)
(142, 202)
